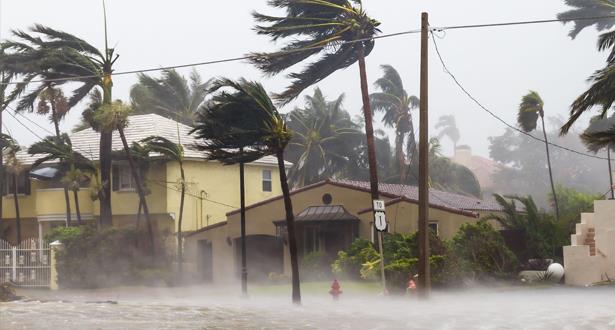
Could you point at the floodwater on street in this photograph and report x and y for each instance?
(199, 307)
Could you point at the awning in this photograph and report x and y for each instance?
(45, 173)
(322, 213)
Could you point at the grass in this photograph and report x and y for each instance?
(318, 288)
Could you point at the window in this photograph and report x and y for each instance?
(122, 178)
(433, 225)
(266, 180)
(312, 240)
(23, 184)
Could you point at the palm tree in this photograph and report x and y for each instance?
(599, 94)
(532, 107)
(59, 57)
(172, 151)
(4, 85)
(241, 124)
(10, 148)
(448, 128)
(397, 105)
(171, 95)
(70, 163)
(340, 32)
(601, 135)
(115, 116)
(324, 138)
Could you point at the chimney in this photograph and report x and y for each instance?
(463, 155)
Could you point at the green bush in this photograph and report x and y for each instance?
(92, 258)
(349, 263)
(483, 253)
(315, 267)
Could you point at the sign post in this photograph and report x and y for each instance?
(380, 223)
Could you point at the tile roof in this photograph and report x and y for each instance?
(323, 213)
(139, 127)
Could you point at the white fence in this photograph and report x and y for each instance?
(26, 265)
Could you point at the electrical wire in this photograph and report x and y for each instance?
(471, 97)
(190, 194)
(556, 20)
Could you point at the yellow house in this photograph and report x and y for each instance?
(213, 188)
(329, 215)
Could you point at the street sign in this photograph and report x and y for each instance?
(380, 221)
(378, 205)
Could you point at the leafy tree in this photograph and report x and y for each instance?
(530, 109)
(573, 204)
(9, 148)
(70, 163)
(324, 139)
(397, 105)
(241, 124)
(340, 32)
(115, 116)
(55, 56)
(358, 165)
(171, 95)
(172, 151)
(448, 128)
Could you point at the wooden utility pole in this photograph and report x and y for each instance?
(424, 282)
(242, 197)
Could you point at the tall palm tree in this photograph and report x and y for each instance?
(448, 128)
(396, 104)
(9, 148)
(59, 57)
(70, 162)
(601, 135)
(241, 124)
(115, 116)
(599, 94)
(324, 138)
(530, 109)
(172, 151)
(339, 32)
(170, 96)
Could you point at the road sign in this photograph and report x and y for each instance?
(378, 205)
(380, 221)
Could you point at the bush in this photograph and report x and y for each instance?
(92, 258)
(349, 263)
(483, 253)
(315, 266)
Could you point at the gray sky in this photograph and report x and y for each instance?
(497, 65)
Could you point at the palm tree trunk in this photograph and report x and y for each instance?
(139, 215)
(242, 207)
(56, 125)
(608, 155)
(180, 247)
(135, 175)
(290, 226)
(77, 210)
(17, 217)
(2, 172)
(401, 161)
(105, 160)
(544, 131)
(369, 129)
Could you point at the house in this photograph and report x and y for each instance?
(329, 215)
(213, 188)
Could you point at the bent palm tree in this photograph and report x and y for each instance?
(172, 151)
(9, 148)
(601, 135)
(241, 124)
(340, 32)
(448, 127)
(171, 95)
(397, 105)
(324, 138)
(52, 55)
(532, 107)
(115, 116)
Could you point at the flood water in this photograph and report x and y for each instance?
(206, 308)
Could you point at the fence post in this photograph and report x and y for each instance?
(14, 266)
(53, 265)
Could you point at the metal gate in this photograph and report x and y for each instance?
(25, 265)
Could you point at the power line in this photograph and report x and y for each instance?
(24, 125)
(465, 91)
(556, 20)
(190, 194)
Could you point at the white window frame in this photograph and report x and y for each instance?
(265, 179)
(124, 175)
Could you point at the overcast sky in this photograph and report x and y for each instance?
(497, 65)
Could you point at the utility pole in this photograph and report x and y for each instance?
(608, 155)
(242, 197)
(424, 282)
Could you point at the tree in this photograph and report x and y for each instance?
(601, 135)
(50, 55)
(172, 151)
(9, 148)
(340, 32)
(324, 138)
(241, 124)
(171, 95)
(70, 163)
(530, 109)
(397, 105)
(115, 116)
(600, 93)
(448, 128)
(4, 86)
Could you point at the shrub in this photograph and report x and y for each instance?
(349, 263)
(92, 258)
(314, 266)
